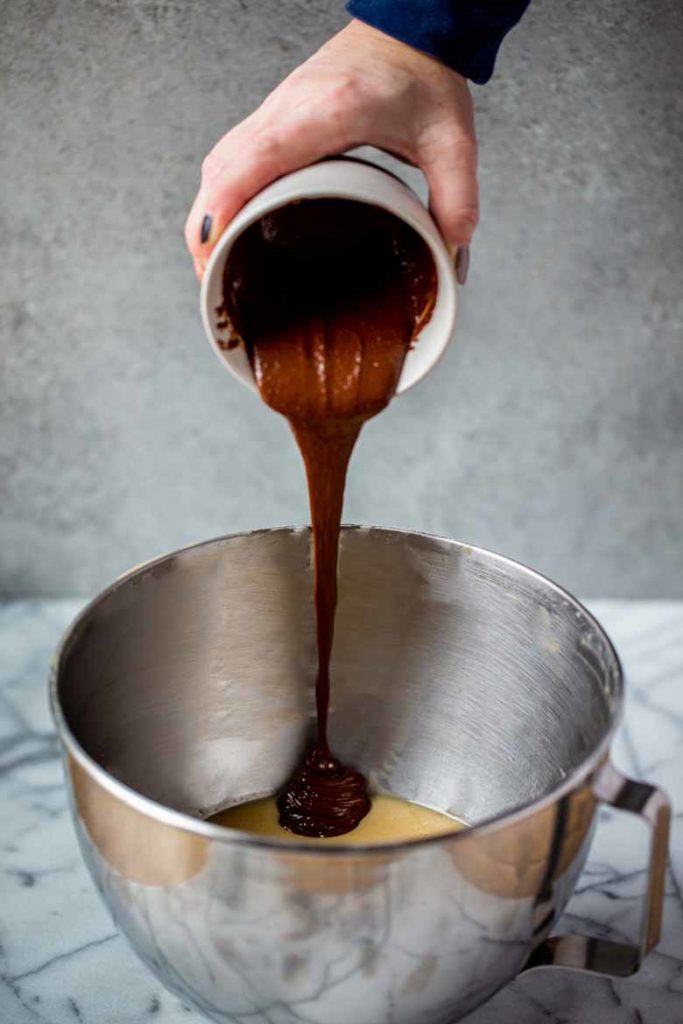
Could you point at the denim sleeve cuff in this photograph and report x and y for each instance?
(464, 35)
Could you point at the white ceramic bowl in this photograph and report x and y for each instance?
(338, 179)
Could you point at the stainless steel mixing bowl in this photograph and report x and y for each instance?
(461, 680)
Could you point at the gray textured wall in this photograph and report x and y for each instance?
(552, 431)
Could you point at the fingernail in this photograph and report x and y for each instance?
(462, 263)
(206, 228)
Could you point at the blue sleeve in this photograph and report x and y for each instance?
(464, 34)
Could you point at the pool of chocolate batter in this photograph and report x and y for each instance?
(327, 295)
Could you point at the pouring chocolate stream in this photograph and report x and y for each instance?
(327, 295)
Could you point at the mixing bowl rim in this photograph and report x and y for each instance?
(200, 827)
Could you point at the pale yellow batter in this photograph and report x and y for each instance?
(389, 820)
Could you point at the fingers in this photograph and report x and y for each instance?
(240, 164)
(251, 156)
(450, 164)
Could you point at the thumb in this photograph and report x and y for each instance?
(450, 165)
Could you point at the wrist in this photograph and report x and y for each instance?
(394, 51)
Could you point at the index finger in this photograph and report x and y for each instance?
(247, 159)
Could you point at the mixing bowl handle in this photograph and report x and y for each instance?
(601, 956)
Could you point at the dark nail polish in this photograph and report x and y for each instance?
(462, 263)
(206, 228)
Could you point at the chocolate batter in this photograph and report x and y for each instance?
(389, 820)
(327, 295)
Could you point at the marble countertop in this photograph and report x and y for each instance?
(62, 961)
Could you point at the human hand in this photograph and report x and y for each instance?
(362, 88)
